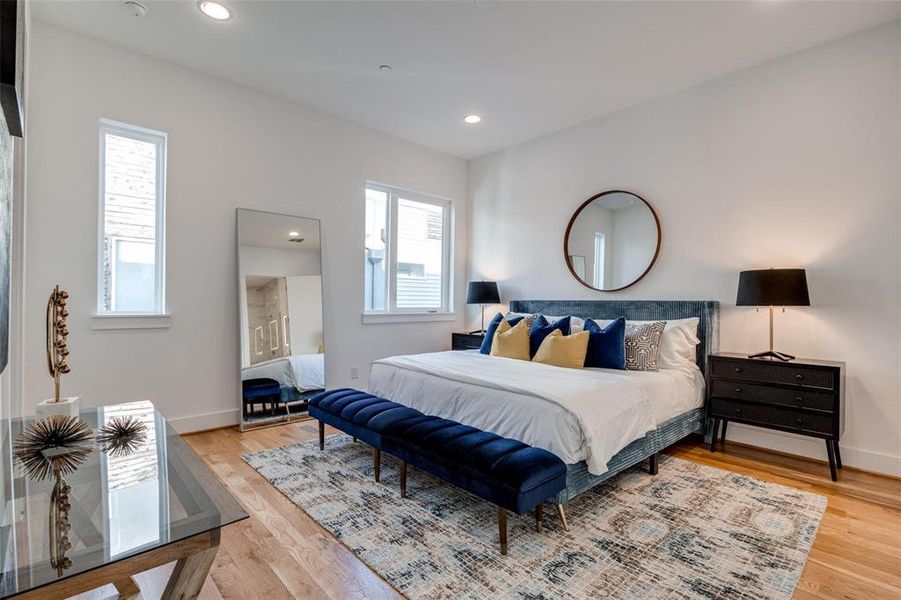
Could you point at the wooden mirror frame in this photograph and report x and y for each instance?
(572, 220)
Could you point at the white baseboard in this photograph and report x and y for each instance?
(813, 448)
(211, 420)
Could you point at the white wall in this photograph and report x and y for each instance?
(304, 313)
(794, 163)
(229, 147)
(634, 242)
(275, 262)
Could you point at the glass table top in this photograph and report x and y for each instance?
(118, 506)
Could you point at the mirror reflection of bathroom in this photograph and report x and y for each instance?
(282, 344)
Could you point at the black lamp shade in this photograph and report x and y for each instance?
(772, 287)
(482, 292)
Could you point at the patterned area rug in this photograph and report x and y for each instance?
(690, 532)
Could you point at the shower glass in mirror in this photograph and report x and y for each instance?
(280, 299)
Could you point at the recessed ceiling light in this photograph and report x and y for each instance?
(385, 68)
(294, 233)
(215, 10)
(472, 119)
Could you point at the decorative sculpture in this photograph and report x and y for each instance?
(55, 446)
(57, 332)
(121, 436)
(57, 353)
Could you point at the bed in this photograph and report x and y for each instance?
(558, 409)
(298, 375)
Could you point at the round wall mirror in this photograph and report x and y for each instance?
(612, 240)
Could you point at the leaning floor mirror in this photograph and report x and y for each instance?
(280, 293)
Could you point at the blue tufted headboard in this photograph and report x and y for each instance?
(638, 310)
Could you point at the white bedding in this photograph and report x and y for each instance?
(577, 414)
(304, 372)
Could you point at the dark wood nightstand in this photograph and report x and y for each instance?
(466, 341)
(802, 396)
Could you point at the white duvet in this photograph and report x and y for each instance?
(577, 414)
(304, 372)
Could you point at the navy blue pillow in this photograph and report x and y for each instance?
(541, 329)
(492, 329)
(607, 346)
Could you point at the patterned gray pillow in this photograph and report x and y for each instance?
(643, 345)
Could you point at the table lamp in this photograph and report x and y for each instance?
(482, 292)
(772, 287)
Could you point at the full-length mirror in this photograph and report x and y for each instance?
(612, 241)
(282, 345)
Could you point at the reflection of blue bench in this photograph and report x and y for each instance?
(261, 391)
(508, 473)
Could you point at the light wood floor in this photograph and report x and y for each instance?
(280, 552)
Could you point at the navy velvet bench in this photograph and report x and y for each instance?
(508, 473)
(358, 414)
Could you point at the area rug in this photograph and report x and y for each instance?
(689, 532)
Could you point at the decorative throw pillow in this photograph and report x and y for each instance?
(541, 329)
(606, 345)
(575, 323)
(563, 350)
(511, 341)
(678, 344)
(492, 329)
(642, 345)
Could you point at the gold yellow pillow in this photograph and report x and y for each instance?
(511, 342)
(563, 350)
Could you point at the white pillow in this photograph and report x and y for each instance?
(677, 344)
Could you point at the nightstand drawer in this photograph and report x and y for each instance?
(787, 397)
(765, 415)
(466, 341)
(770, 372)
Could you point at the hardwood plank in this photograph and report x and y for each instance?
(281, 550)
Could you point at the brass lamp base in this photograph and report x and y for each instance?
(772, 354)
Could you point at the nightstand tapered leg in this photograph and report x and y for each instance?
(723, 435)
(831, 452)
(716, 425)
(838, 454)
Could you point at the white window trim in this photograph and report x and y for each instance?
(160, 139)
(393, 314)
(111, 321)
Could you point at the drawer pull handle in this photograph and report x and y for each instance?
(799, 421)
(738, 390)
(738, 369)
(799, 377)
(738, 411)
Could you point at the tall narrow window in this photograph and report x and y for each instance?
(407, 251)
(600, 241)
(131, 253)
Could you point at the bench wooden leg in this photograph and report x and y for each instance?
(653, 463)
(322, 435)
(403, 479)
(502, 528)
(538, 517)
(562, 516)
(377, 463)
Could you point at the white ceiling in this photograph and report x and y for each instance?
(272, 230)
(528, 68)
